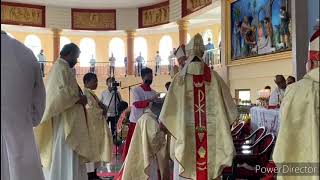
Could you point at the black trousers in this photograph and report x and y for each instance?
(113, 124)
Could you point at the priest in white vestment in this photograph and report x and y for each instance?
(298, 139)
(100, 134)
(63, 135)
(148, 157)
(22, 107)
(197, 112)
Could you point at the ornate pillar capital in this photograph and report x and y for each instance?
(183, 31)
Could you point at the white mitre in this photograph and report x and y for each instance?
(195, 48)
(180, 52)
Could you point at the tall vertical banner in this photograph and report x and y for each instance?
(154, 15)
(191, 6)
(93, 19)
(23, 14)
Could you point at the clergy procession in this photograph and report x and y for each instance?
(74, 107)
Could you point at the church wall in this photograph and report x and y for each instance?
(102, 41)
(46, 41)
(256, 76)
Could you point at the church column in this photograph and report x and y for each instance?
(183, 31)
(130, 51)
(224, 56)
(300, 40)
(56, 43)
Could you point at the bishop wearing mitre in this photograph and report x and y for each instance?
(198, 111)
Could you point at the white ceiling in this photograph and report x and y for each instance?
(98, 4)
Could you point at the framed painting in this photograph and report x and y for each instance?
(191, 6)
(258, 27)
(154, 15)
(91, 19)
(23, 14)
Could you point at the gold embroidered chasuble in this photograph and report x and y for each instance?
(100, 134)
(148, 144)
(62, 94)
(178, 116)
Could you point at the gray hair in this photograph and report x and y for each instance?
(156, 107)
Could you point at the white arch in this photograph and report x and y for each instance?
(33, 42)
(116, 46)
(165, 46)
(206, 35)
(88, 51)
(141, 45)
(63, 41)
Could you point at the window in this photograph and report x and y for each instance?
(116, 46)
(165, 47)
(243, 95)
(206, 35)
(64, 41)
(33, 42)
(140, 45)
(188, 37)
(88, 51)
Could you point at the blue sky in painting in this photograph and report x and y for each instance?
(246, 9)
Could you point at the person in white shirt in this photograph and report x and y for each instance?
(41, 60)
(111, 101)
(139, 61)
(278, 93)
(112, 62)
(92, 65)
(23, 100)
(126, 65)
(142, 98)
(158, 61)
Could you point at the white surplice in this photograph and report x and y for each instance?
(22, 107)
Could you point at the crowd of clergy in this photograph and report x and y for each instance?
(58, 131)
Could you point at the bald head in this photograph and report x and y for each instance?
(280, 81)
(70, 52)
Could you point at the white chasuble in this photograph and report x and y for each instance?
(63, 136)
(298, 138)
(198, 111)
(147, 157)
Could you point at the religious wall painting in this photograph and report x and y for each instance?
(22, 14)
(259, 27)
(88, 19)
(154, 15)
(191, 6)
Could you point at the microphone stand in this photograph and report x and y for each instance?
(129, 87)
